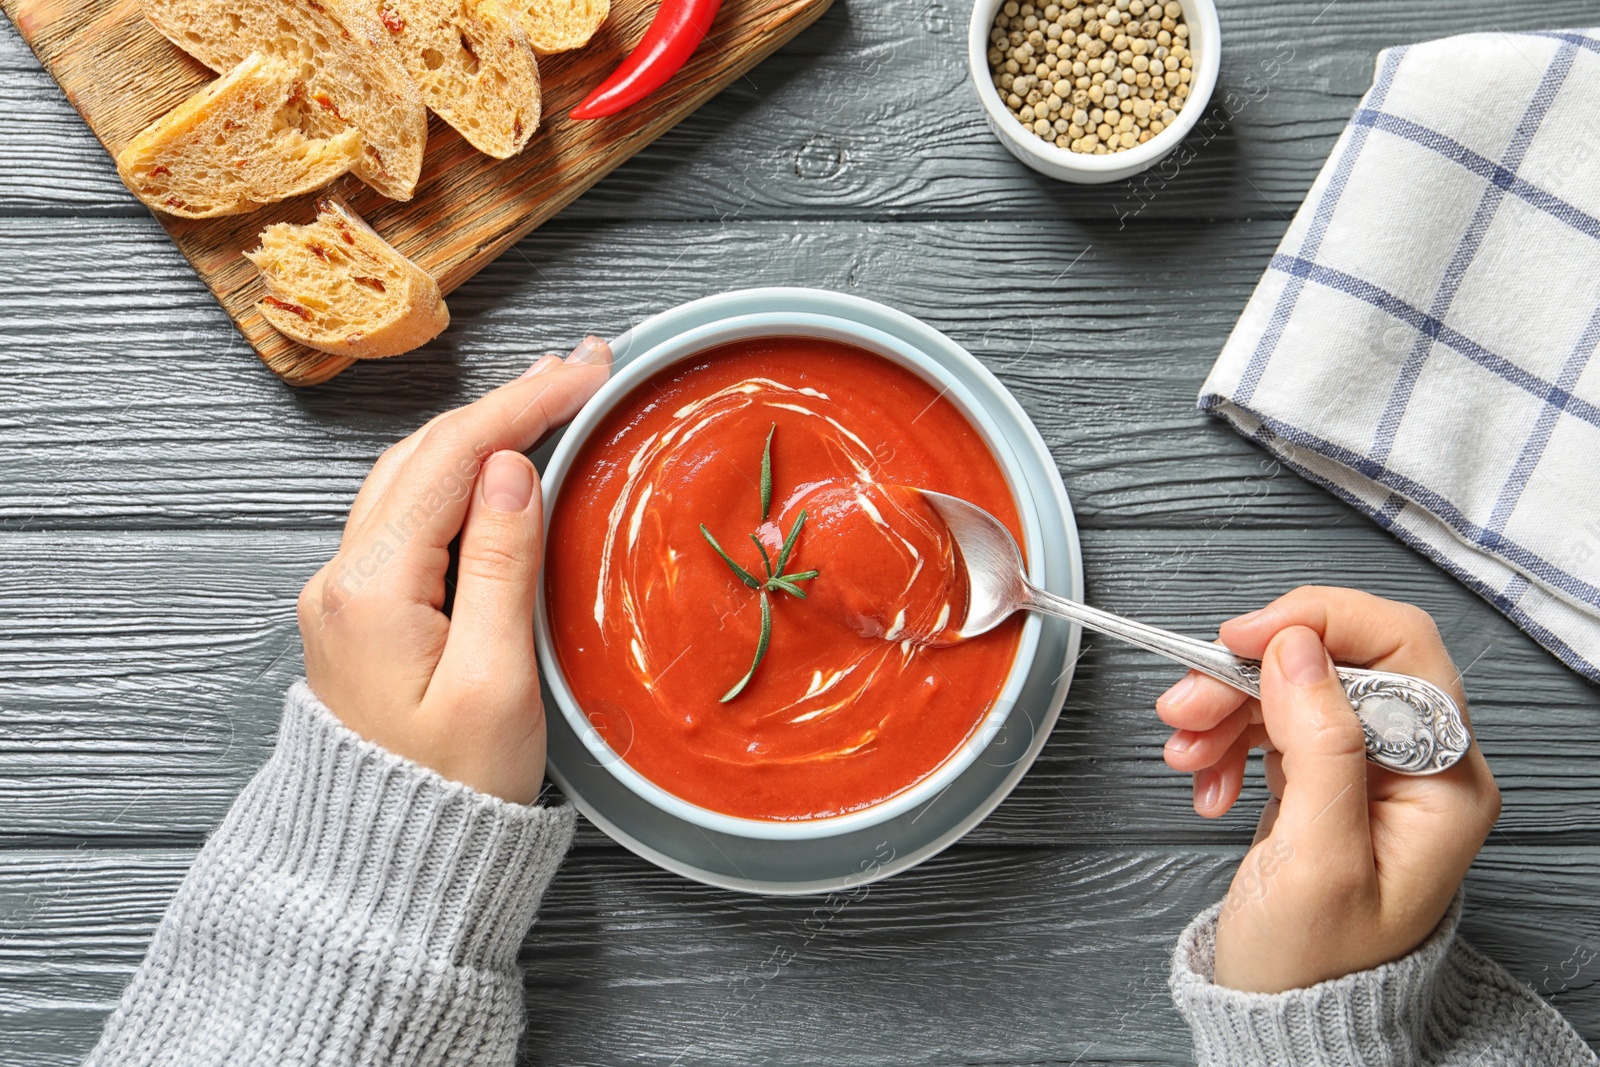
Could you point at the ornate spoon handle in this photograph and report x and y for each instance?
(1412, 726)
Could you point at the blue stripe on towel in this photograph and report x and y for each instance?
(1442, 509)
(1533, 448)
(1555, 75)
(1486, 169)
(1319, 228)
(1578, 39)
(1502, 601)
(1549, 392)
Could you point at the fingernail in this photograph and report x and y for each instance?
(507, 482)
(1207, 788)
(1178, 693)
(1302, 657)
(1248, 617)
(591, 350)
(1181, 742)
(542, 364)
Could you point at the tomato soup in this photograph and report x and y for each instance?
(860, 691)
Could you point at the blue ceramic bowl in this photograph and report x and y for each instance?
(814, 854)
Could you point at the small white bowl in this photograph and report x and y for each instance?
(641, 367)
(1205, 42)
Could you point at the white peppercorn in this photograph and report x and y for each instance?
(1092, 76)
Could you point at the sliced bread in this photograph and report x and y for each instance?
(560, 25)
(473, 65)
(352, 72)
(337, 286)
(235, 145)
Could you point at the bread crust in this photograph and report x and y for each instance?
(353, 72)
(336, 286)
(234, 146)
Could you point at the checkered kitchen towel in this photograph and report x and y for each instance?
(1424, 341)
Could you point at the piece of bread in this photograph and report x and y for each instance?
(559, 25)
(235, 145)
(473, 65)
(353, 73)
(337, 286)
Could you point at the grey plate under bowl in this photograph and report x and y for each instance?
(849, 860)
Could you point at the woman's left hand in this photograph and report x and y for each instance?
(458, 693)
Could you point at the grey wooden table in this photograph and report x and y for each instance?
(162, 498)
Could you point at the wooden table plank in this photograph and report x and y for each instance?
(870, 114)
(142, 693)
(981, 956)
(1105, 344)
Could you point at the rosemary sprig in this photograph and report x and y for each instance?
(766, 560)
(766, 474)
(787, 586)
(776, 581)
(744, 576)
(788, 542)
(761, 649)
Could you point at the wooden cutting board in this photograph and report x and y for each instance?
(121, 74)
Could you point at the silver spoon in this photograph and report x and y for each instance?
(1412, 726)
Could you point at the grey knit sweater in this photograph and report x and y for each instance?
(355, 908)
(1444, 1005)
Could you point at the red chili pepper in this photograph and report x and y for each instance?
(678, 29)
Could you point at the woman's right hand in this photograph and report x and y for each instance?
(1352, 865)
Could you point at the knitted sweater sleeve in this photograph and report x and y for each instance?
(353, 908)
(1444, 1005)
